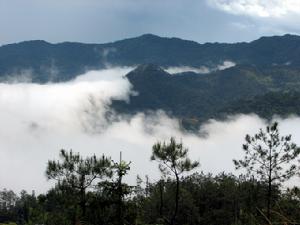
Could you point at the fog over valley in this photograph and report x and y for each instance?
(38, 120)
(164, 112)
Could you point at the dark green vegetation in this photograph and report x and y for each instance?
(194, 98)
(264, 81)
(63, 61)
(173, 160)
(270, 157)
(91, 190)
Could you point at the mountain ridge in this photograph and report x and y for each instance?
(198, 98)
(150, 35)
(264, 70)
(70, 59)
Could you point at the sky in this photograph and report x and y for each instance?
(38, 120)
(101, 21)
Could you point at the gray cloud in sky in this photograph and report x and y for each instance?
(101, 21)
(266, 17)
(259, 8)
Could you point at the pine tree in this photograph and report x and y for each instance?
(173, 159)
(271, 157)
(78, 173)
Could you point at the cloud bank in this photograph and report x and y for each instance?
(263, 18)
(259, 8)
(201, 70)
(38, 120)
(202, 21)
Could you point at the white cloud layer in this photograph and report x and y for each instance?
(182, 69)
(202, 70)
(38, 120)
(259, 8)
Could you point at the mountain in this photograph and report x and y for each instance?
(265, 79)
(285, 103)
(199, 97)
(63, 61)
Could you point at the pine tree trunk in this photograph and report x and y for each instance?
(120, 201)
(176, 200)
(161, 189)
(269, 199)
(83, 202)
(269, 186)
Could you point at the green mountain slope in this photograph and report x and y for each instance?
(265, 80)
(63, 61)
(195, 97)
(267, 105)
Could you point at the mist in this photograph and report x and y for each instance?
(202, 69)
(39, 120)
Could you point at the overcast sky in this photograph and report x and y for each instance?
(100, 21)
(41, 119)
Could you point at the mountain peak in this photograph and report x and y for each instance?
(286, 37)
(147, 70)
(150, 36)
(30, 43)
(149, 67)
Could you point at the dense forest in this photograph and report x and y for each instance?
(263, 77)
(64, 61)
(91, 190)
(195, 98)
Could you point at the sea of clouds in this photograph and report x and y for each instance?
(39, 120)
(202, 69)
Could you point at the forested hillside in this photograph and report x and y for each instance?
(63, 61)
(264, 78)
(195, 97)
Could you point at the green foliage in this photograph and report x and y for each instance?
(194, 98)
(195, 199)
(76, 171)
(10, 223)
(172, 157)
(63, 61)
(79, 174)
(266, 74)
(265, 66)
(270, 157)
(205, 199)
(283, 103)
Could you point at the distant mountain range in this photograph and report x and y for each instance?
(63, 61)
(265, 79)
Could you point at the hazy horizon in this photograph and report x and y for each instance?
(91, 21)
(132, 37)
